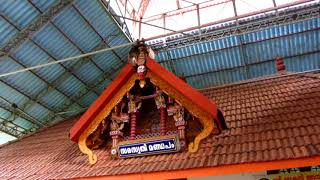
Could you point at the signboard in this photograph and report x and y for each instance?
(148, 146)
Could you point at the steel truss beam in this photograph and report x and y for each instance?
(237, 46)
(263, 11)
(34, 27)
(18, 111)
(243, 27)
(12, 129)
(244, 65)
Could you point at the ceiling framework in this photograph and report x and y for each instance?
(22, 111)
(232, 27)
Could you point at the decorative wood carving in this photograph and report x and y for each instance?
(104, 113)
(204, 117)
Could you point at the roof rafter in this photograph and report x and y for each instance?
(11, 128)
(116, 20)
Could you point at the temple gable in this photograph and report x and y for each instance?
(146, 111)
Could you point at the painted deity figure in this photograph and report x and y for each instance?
(117, 123)
(178, 116)
(159, 99)
(133, 106)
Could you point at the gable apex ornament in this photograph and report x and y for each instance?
(146, 110)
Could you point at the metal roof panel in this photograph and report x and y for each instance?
(38, 111)
(31, 55)
(55, 43)
(44, 5)
(98, 18)
(7, 31)
(76, 28)
(25, 82)
(71, 86)
(54, 99)
(88, 72)
(20, 13)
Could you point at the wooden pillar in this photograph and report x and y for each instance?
(163, 118)
(133, 124)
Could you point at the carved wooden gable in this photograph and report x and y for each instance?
(146, 110)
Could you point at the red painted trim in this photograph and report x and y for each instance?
(214, 171)
(100, 102)
(193, 95)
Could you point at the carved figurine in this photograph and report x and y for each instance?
(96, 139)
(179, 115)
(133, 106)
(160, 101)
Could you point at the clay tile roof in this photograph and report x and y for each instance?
(268, 119)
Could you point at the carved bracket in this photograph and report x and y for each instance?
(97, 120)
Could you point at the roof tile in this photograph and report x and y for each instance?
(268, 119)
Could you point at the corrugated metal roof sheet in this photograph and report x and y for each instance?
(77, 28)
(7, 31)
(44, 5)
(20, 13)
(30, 55)
(246, 56)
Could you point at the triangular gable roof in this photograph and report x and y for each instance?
(195, 97)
